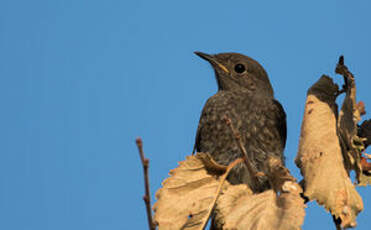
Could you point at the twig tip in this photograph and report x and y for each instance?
(341, 60)
(139, 141)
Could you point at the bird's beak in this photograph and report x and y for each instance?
(212, 60)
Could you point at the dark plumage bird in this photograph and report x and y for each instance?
(245, 95)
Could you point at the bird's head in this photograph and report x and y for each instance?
(235, 71)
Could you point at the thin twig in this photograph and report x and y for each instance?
(237, 136)
(224, 177)
(147, 196)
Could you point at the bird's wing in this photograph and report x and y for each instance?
(281, 121)
(196, 147)
(204, 116)
(197, 139)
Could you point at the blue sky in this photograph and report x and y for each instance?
(80, 80)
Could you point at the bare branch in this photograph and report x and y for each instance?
(147, 196)
(237, 136)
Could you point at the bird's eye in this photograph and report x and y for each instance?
(239, 68)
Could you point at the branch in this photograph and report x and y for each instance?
(147, 196)
(237, 136)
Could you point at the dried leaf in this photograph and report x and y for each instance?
(320, 157)
(365, 179)
(188, 195)
(364, 131)
(237, 208)
(354, 138)
(349, 116)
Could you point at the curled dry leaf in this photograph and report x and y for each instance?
(237, 208)
(365, 175)
(349, 116)
(365, 179)
(320, 157)
(364, 131)
(353, 138)
(188, 195)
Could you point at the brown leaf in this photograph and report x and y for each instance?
(237, 208)
(364, 131)
(188, 195)
(354, 138)
(349, 116)
(320, 157)
(365, 179)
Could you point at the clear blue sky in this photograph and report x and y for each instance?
(79, 80)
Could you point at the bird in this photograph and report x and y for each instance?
(245, 95)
